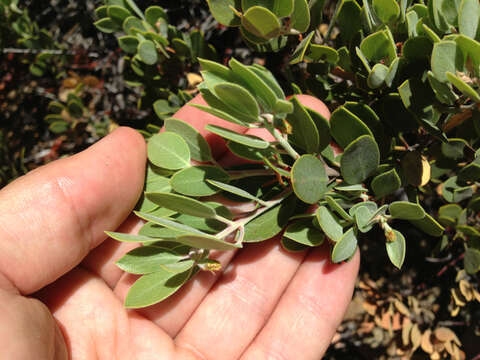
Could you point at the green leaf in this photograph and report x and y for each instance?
(345, 248)
(471, 51)
(379, 46)
(247, 140)
(300, 18)
(182, 204)
(238, 98)
(301, 49)
(292, 246)
(208, 242)
(396, 249)
(158, 232)
(153, 13)
(192, 181)
(199, 148)
(304, 132)
(346, 127)
(59, 127)
(159, 184)
(377, 77)
(128, 43)
(106, 25)
(118, 13)
(261, 22)
(323, 128)
(249, 153)
(406, 210)
(443, 91)
(429, 226)
(128, 237)
(309, 179)
(454, 192)
(468, 18)
(221, 114)
(363, 215)
(387, 10)
(155, 287)
(446, 57)
(317, 53)
(360, 159)
(470, 231)
(169, 151)
(386, 183)
(349, 19)
(222, 12)
(234, 190)
(464, 88)
(270, 223)
(168, 223)
(334, 205)
(131, 4)
(370, 205)
(148, 52)
(451, 210)
(281, 8)
(133, 24)
(259, 81)
(101, 12)
(471, 261)
(329, 224)
(303, 232)
(471, 172)
(147, 259)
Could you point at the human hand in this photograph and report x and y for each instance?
(57, 267)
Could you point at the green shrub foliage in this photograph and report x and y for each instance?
(403, 80)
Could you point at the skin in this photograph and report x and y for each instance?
(61, 294)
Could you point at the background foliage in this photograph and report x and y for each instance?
(401, 78)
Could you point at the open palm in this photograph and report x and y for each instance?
(61, 294)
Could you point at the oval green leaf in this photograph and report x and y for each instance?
(360, 159)
(406, 210)
(192, 181)
(169, 151)
(182, 204)
(345, 248)
(309, 179)
(396, 249)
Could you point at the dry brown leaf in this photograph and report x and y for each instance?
(455, 311)
(449, 348)
(476, 295)
(369, 308)
(407, 327)
(426, 343)
(466, 290)
(402, 308)
(435, 356)
(91, 81)
(70, 82)
(458, 297)
(415, 337)
(194, 79)
(444, 334)
(366, 328)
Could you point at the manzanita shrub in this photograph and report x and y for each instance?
(403, 80)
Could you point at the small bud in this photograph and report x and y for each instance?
(210, 266)
(390, 235)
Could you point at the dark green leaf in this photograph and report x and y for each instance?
(305, 233)
(386, 183)
(429, 226)
(300, 18)
(106, 25)
(446, 57)
(406, 210)
(222, 12)
(247, 140)
(153, 13)
(334, 205)
(387, 10)
(347, 127)
(261, 22)
(192, 181)
(304, 131)
(471, 261)
(360, 159)
(237, 97)
(129, 44)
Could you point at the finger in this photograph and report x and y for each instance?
(309, 311)
(241, 301)
(52, 217)
(101, 261)
(96, 326)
